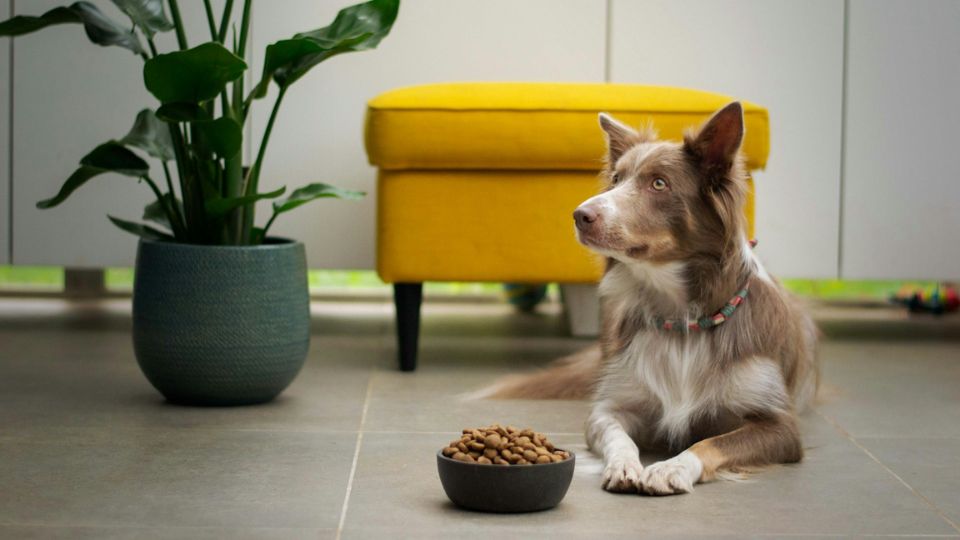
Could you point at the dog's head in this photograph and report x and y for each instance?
(667, 201)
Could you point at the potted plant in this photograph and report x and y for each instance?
(220, 308)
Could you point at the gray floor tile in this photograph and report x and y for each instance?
(91, 379)
(39, 532)
(929, 466)
(893, 389)
(433, 400)
(836, 490)
(184, 478)
(89, 450)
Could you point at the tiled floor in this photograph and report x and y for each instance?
(89, 450)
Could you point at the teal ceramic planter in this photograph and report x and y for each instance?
(221, 325)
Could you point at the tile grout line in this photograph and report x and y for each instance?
(356, 458)
(890, 471)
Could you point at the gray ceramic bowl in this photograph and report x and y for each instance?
(501, 488)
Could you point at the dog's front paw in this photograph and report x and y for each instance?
(675, 475)
(622, 475)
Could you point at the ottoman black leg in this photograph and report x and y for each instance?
(407, 298)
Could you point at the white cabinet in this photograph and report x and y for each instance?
(319, 133)
(901, 197)
(782, 54)
(894, 215)
(4, 140)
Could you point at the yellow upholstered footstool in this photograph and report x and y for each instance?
(478, 181)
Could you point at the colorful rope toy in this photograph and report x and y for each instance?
(939, 300)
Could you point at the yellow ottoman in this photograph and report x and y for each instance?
(478, 181)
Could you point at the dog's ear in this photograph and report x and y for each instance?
(620, 137)
(716, 145)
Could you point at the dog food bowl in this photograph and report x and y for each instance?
(505, 488)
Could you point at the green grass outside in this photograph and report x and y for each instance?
(27, 277)
(51, 278)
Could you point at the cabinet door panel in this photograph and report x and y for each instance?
(902, 188)
(784, 55)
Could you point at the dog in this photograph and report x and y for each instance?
(701, 351)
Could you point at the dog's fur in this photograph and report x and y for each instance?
(669, 223)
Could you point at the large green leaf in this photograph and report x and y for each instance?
(100, 29)
(150, 135)
(223, 135)
(220, 206)
(25, 24)
(312, 192)
(108, 157)
(192, 76)
(183, 112)
(355, 28)
(156, 213)
(77, 179)
(140, 229)
(113, 156)
(149, 15)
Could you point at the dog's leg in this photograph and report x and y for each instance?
(760, 441)
(607, 435)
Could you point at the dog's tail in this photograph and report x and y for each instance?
(570, 377)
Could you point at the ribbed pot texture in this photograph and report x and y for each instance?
(221, 325)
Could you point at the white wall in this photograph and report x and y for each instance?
(782, 54)
(318, 135)
(4, 141)
(901, 205)
(894, 219)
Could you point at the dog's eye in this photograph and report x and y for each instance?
(659, 184)
(615, 178)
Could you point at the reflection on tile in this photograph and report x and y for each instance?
(95, 377)
(41, 532)
(435, 399)
(837, 490)
(930, 466)
(878, 389)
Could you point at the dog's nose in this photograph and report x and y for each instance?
(584, 216)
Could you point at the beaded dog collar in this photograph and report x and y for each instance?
(704, 323)
(707, 322)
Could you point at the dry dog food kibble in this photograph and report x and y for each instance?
(498, 445)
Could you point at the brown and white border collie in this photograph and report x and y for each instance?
(725, 396)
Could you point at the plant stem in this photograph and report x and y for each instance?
(240, 114)
(244, 28)
(153, 46)
(269, 223)
(178, 218)
(233, 187)
(253, 177)
(192, 217)
(225, 21)
(210, 22)
(178, 23)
